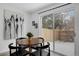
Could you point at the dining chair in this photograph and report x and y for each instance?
(42, 50)
(41, 40)
(16, 50)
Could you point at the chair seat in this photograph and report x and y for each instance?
(33, 50)
(37, 53)
(24, 52)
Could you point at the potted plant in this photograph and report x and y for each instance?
(30, 35)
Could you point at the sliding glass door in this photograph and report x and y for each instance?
(58, 29)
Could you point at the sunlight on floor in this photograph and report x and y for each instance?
(66, 48)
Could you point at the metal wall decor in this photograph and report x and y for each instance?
(35, 24)
(13, 24)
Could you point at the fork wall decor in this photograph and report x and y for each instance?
(13, 24)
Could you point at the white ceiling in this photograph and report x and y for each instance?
(28, 7)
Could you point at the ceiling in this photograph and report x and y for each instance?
(28, 7)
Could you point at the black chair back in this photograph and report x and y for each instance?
(13, 48)
(40, 49)
(41, 39)
(19, 50)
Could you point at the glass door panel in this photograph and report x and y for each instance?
(47, 26)
(64, 32)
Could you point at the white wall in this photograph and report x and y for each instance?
(4, 43)
(34, 17)
(77, 29)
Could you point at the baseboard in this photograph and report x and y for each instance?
(58, 53)
(6, 53)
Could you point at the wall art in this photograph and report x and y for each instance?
(13, 24)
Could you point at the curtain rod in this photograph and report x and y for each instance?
(54, 8)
